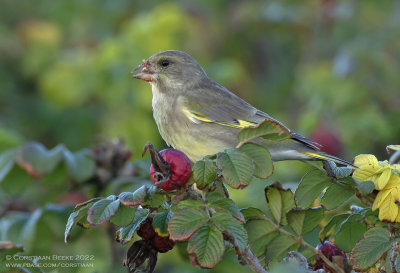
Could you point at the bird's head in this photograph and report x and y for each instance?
(170, 70)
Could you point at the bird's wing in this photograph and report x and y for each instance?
(218, 105)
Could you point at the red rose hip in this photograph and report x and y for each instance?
(181, 170)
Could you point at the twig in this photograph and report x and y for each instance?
(393, 258)
(300, 240)
(252, 260)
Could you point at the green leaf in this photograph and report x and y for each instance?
(103, 210)
(310, 187)
(280, 246)
(237, 168)
(204, 173)
(263, 167)
(160, 223)
(125, 234)
(267, 129)
(329, 228)
(7, 161)
(230, 206)
(185, 204)
(370, 248)
(336, 195)
(7, 249)
(304, 221)
(366, 187)
(233, 227)
(36, 160)
(206, 247)
(133, 199)
(83, 204)
(279, 201)
(80, 165)
(78, 214)
(252, 213)
(350, 231)
(186, 221)
(123, 216)
(261, 233)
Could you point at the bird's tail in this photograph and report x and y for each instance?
(324, 156)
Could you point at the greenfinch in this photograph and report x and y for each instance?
(198, 116)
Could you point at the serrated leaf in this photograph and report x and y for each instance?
(267, 129)
(204, 173)
(237, 168)
(279, 201)
(155, 200)
(123, 216)
(186, 221)
(185, 204)
(370, 248)
(280, 246)
(304, 221)
(261, 233)
(252, 213)
(74, 218)
(125, 234)
(80, 205)
(310, 187)
(349, 232)
(133, 199)
(7, 161)
(103, 210)
(335, 196)
(263, 167)
(235, 229)
(36, 160)
(8, 248)
(80, 165)
(214, 196)
(160, 223)
(206, 247)
(230, 206)
(329, 228)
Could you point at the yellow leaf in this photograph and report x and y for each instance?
(362, 160)
(383, 179)
(382, 195)
(395, 192)
(398, 217)
(393, 147)
(388, 210)
(368, 167)
(393, 182)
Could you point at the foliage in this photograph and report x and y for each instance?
(211, 223)
(319, 66)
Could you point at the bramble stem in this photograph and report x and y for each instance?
(394, 257)
(252, 260)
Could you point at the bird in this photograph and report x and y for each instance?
(200, 117)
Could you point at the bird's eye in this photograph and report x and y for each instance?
(165, 63)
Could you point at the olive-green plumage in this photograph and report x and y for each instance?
(198, 116)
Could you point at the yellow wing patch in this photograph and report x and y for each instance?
(198, 118)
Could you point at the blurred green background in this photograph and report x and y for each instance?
(327, 69)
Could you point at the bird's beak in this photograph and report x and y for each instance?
(144, 72)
